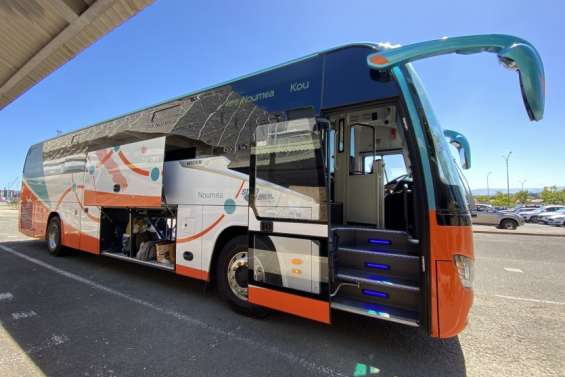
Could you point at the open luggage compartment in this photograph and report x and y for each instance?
(144, 236)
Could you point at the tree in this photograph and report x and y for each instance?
(482, 198)
(551, 195)
(500, 200)
(520, 197)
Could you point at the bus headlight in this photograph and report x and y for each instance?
(465, 268)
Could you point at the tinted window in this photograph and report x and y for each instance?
(34, 162)
(289, 171)
(360, 147)
(451, 196)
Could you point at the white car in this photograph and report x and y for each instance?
(545, 212)
(487, 215)
(556, 220)
(527, 212)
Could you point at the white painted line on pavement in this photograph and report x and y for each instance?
(294, 359)
(22, 315)
(531, 300)
(54, 340)
(511, 269)
(6, 296)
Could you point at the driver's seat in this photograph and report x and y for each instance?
(397, 205)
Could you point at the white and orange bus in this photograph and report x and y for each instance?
(322, 184)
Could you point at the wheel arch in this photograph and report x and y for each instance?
(225, 236)
(510, 219)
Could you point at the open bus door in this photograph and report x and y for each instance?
(288, 268)
(450, 240)
(513, 52)
(129, 175)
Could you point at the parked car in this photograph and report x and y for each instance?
(527, 212)
(547, 211)
(556, 220)
(483, 207)
(486, 215)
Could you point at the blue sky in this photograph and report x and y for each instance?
(174, 47)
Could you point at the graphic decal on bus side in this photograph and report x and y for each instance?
(74, 189)
(229, 208)
(128, 175)
(34, 223)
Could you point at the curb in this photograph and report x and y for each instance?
(520, 233)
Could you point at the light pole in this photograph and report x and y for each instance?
(522, 183)
(507, 157)
(488, 187)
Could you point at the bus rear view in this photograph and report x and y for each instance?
(324, 184)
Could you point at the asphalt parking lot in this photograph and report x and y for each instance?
(84, 315)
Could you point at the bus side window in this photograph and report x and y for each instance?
(360, 146)
(27, 162)
(340, 136)
(33, 166)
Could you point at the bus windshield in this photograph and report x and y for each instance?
(451, 197)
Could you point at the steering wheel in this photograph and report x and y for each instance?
(397, 184)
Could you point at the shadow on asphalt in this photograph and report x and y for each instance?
(356, 345)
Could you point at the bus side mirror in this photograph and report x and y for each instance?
(523, 57)
(459, 141)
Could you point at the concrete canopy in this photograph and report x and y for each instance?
(39, 36)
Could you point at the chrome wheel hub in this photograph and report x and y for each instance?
(237, 275)
(53, 236)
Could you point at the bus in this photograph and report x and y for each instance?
(320, 185)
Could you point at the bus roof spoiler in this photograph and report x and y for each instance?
(513, 52)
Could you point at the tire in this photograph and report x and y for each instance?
(508, 224)
(53, 236)
(231, 277)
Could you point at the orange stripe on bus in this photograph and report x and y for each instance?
(202, 232)
(98, 198)
(63, 195)
(91, 217)
(74, 238)
(105, 158)
(70, 236)
(191, 272)
(89, 243)
(240, 188)
(132, 166)
(445, 242)
(285, 302)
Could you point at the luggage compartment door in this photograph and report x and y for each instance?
(128, 175)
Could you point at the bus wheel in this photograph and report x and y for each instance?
(232, 274)
(54, 236)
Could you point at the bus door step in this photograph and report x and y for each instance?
(405, 317)
(377, 289)
(376, 273)
(391, 263)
